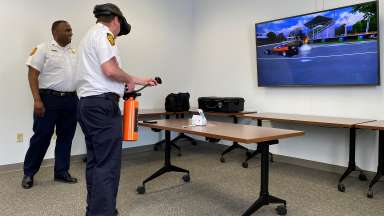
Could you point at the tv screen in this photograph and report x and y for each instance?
(327, 48)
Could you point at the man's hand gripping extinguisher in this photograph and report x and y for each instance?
(131, 113)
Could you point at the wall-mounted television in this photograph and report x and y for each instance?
(327, 48)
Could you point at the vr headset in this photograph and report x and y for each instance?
(110, 9)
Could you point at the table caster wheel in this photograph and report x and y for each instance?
(194, 143)
(248, 154)
(155, 148)
(186, 178)
(341, 187)
(370, 193)
(281, 210)
(362, 177)
(140, 190)
(84, 159)
(222, 160)
(245, 164)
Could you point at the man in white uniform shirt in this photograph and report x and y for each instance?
(51, 79)
(100, 86)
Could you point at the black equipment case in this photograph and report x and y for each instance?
(221, 104)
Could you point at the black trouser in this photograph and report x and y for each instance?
(60, 111)
(101, 121)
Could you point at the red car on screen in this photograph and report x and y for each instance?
(286, 49)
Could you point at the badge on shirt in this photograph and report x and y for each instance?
(33, 51)
(111, 39)
(73, 51)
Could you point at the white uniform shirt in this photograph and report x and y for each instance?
(95, 49)
(56, 65)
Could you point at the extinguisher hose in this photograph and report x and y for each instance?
(135, 93)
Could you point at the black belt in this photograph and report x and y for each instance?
(108, 95)
(56, 93)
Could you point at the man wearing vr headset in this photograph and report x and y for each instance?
(100, 85)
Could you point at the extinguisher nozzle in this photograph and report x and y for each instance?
(158, 80)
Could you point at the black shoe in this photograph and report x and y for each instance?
(66, 178)
(27, 182)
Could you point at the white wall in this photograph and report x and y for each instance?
(159, 44)
(225, 65)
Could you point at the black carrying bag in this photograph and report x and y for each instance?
(177, 102)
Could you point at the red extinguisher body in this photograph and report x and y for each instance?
(130, 119)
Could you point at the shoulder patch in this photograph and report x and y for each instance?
(33, 51)
(111, 39)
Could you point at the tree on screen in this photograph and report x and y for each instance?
(297, 34)
(281, 37)
(272, 37)
(369, 11)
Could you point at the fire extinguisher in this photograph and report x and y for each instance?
(131, 113)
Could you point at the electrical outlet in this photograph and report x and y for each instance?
(19, 137)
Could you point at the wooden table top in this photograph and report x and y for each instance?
(375, 125)
(248, 134)
(225, 113)
(309, 119)
(157, 112)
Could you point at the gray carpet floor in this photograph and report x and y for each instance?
(215, 189)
